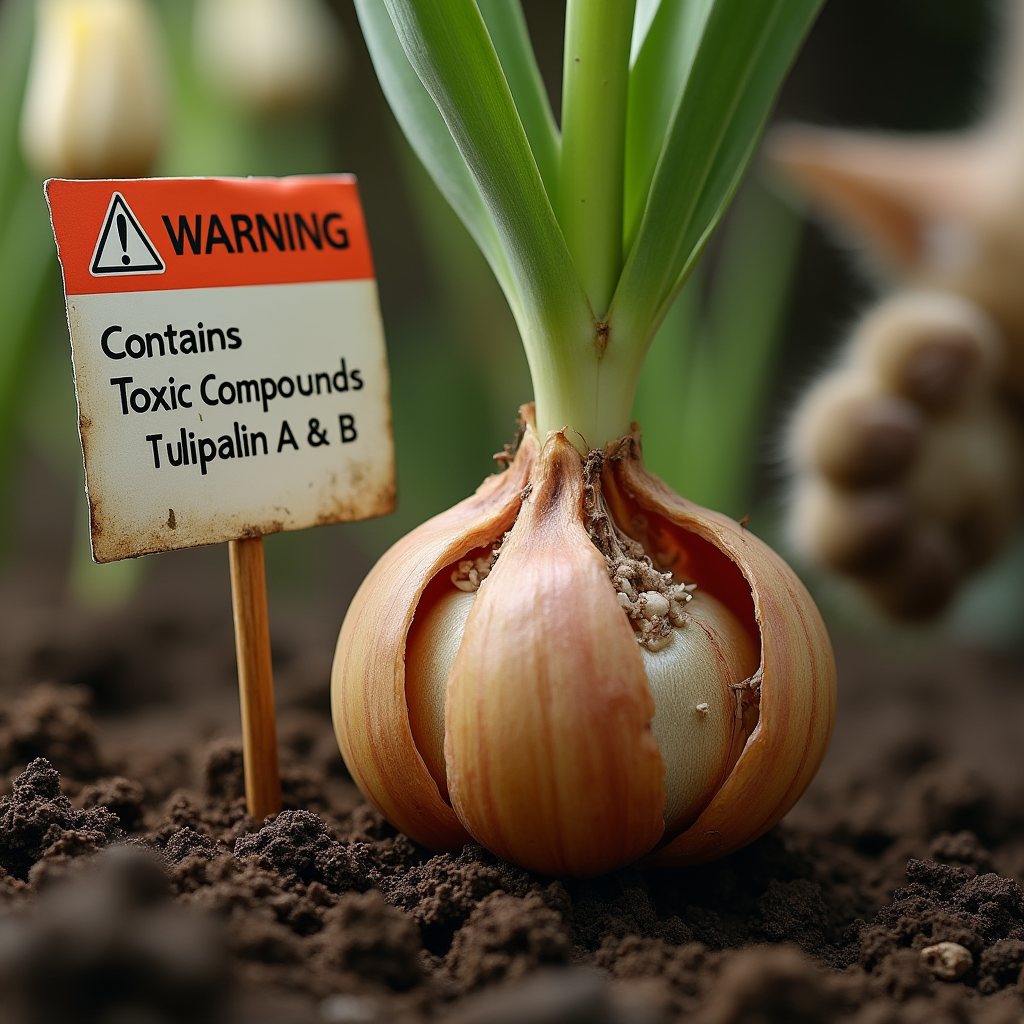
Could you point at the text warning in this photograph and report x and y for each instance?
(229, 357)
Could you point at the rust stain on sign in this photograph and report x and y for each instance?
(225, 397)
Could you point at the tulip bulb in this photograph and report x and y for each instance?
(94, 101)
(577, 668)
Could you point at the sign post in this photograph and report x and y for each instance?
(255, 677)
(232, 382)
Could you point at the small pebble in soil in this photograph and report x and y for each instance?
(573, 995)
(947, 961)
(343, 1009)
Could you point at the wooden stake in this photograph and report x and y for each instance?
(255, 677)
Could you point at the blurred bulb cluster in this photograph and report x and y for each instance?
(95, 97)
(270, 56)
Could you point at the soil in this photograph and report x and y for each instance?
(134, 887)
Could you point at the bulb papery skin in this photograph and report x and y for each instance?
(368, 699)
(550, 758)
(94, 100)
(489, 682)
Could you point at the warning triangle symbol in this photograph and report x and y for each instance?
(123, 247)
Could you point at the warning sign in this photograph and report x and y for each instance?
(229, 357)
(123, 247)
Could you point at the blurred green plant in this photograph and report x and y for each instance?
(702, 392)
(28, 268)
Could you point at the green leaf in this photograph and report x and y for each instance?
(511, 38)
(642, 21)
(420, 120)
(744, 54)
(659, 72)
(447, 44)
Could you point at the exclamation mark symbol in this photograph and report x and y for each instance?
(122, 233)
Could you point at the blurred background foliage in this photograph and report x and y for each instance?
(764, 311)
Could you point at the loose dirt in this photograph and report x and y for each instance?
(134, 887)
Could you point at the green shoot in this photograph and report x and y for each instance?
(595, 80)
(664, 105)
(744, 52)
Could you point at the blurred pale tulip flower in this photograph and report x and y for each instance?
(94, 102)
(270, 56)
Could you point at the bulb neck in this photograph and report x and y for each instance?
(585, 386)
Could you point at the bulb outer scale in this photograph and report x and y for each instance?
(549, 755)
(548, 711)
(371, 717)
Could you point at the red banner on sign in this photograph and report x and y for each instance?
(156, 234)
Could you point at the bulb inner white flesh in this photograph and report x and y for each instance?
(695, 722)
(434, 641)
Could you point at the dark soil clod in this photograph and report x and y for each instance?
(138, 900)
